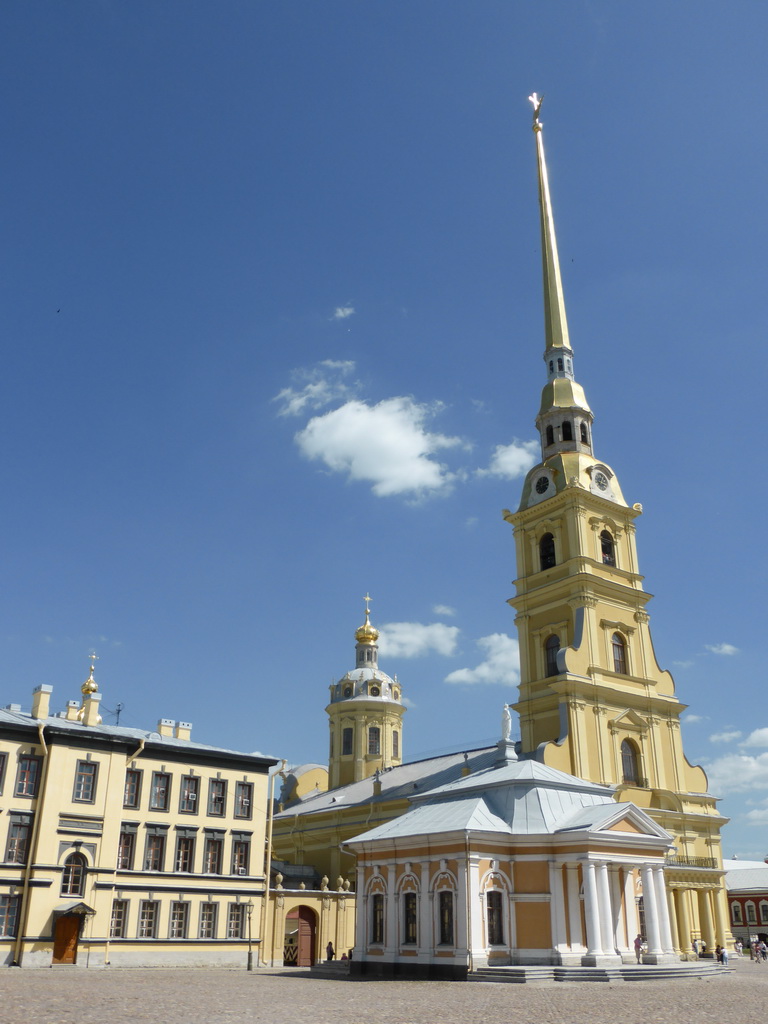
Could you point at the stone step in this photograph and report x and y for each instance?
(517, 975)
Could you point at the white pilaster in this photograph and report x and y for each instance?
(392, 907)
(557, 909)
(427, 938)
(361, 916)
(575, 930)
(661, 903)
(651, 913)
(630, 907)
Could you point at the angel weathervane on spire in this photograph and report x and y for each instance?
(536, 100)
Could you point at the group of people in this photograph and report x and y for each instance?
(758, 951)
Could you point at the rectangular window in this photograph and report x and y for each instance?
(736, 913)
(217, 797)
(85, 782)
(160, 795)
(179, 917)
(377, 918)
(185, 854)
(126, 847)
(155, 853)
(446, 918)
(764, 913)
(119, 921)
(395, 743)
(190, 791)
(495, 923)
(208, 920)
(244, 800)
(241, 850)
(374, 740)
(409, 918)
(3, 762)
(27, 777)
(751, 915)
(346, 741)
(212, 858)
(18, 843)
(132, 791)
(9, 915)
(236, 921)
(149, 912)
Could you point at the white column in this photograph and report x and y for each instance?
(661, 903)
(574, 908)
(391, 909)
(651, 913)
(557, 907)
(427, 940)
(604, 903)
(591, 914)
(462, 911)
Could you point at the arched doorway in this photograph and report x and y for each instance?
(299, 942)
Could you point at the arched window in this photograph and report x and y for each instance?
(550, 435)
(607, 548)
(547, 551)
(560, 364)
(630, 763)
(551, 366)
(377, 919)
(551, 647)
(584, 434)
(73, 876)
(619, 649)
(567, 430)
(495, 919)
(374, 740)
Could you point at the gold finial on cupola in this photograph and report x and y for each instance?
(367, 634)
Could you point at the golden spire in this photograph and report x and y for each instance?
(555, 323)
(367, 634)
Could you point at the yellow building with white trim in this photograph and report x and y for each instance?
(126, 847)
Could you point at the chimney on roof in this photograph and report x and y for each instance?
(90, 709)
(41, 701)
(165, 726)
(72, 710)
(183, 730)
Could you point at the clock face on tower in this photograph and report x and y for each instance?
(601, 480)
(542, 484)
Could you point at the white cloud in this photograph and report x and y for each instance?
(386, 444)
(414, 639)
(501, 664)
(512, 460)
(444, 609)
(693, 719)
(682, 664)
(343, 312)
(757, 738)
(737, 773)
(726, 737)
(407, 702)
(727, 649)
(316, 387)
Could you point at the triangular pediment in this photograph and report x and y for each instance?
(614, 819)
(629, 719)
(630, 818)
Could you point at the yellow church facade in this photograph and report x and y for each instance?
(448, 879)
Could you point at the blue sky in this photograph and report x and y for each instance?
(271, 302)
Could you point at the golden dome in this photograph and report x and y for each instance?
(367, 634)
(90, 685)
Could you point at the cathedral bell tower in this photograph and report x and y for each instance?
(365, 715)
(593, 700)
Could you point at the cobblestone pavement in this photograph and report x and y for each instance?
(198, 996)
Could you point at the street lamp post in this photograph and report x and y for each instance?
(249, 909)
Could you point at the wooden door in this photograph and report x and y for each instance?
(306, 938)
(65, 939)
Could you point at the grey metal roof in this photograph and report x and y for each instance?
(460, 815)
(746, 879)
(25, 719)
(405, 780)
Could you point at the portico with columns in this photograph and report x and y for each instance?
(519, 864)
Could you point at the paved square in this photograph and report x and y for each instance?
(197, 996)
